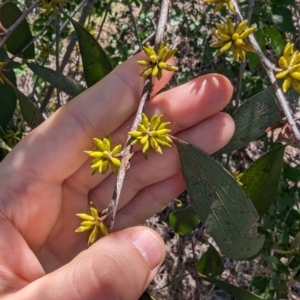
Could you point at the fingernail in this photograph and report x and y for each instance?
(150, 246)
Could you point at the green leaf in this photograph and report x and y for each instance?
(96, 64)
(8, 99)
(174, 281)
(210, 263)
(260, 180)
(252, 118)
(276, 264)
(64, 83)
(184, 220)
(275, 38)
(221, 204)
(30, 113)
(3, 153)
(237, 292)
(283, 18)
(21, 36)
(145, 296)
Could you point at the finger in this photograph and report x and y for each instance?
(118, 266)
(152, 198)
(184, 106)
(210, 135)
(96, 112)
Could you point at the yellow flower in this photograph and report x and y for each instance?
(290, 68)
(103, 157)
(157, 61)
(151, 134)
(230, 38)
(92, 222)
(46, 49)
(220, 3)
(49, 5)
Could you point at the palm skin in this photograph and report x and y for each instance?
(46, 180)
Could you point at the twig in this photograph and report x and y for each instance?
(270, 68)
(40, 33)
(104, 19)
(163, 17)
(9, 30)
(110, 212)
(134, 25)
(85, 12)
(243, 64)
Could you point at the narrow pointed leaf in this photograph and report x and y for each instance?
(8, 99)
(210, 263)
(275, 38)
(184, 220)
(3, 153)
(237, 292)
(64, 83)
(30, 113)
(260, 180)
(21, 36)
(252, 119)
(221, 204)
(96, 64)
(145, 296)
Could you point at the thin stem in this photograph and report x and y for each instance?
(85, 12)
(134, 25)
(243, 64)
(270, 68)
(9, 31)
(161, 23)
(41, 32)
(104, 19)
(127, 152)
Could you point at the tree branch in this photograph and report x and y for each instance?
(110, 212)
(270, 68)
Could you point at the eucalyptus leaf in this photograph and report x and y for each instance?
(221, 204)
(64, 83)
(210, 263)
(21, 36)
(252, 118)
(260, 180)
(184, 220)
(275, 38)
(237, 292)
(30, 113)
(3, 153)
(8, 99)
(96, 64)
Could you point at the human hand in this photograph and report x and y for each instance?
(46, 180)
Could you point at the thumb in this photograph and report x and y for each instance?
(118, 266)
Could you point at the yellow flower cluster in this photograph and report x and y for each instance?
(151, 134)
(49, 5)
(92, 222)
(220, 3)
(289, 63)
(103, 157)
(232, 38)
(157, 61)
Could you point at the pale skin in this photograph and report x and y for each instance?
(46, 180)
